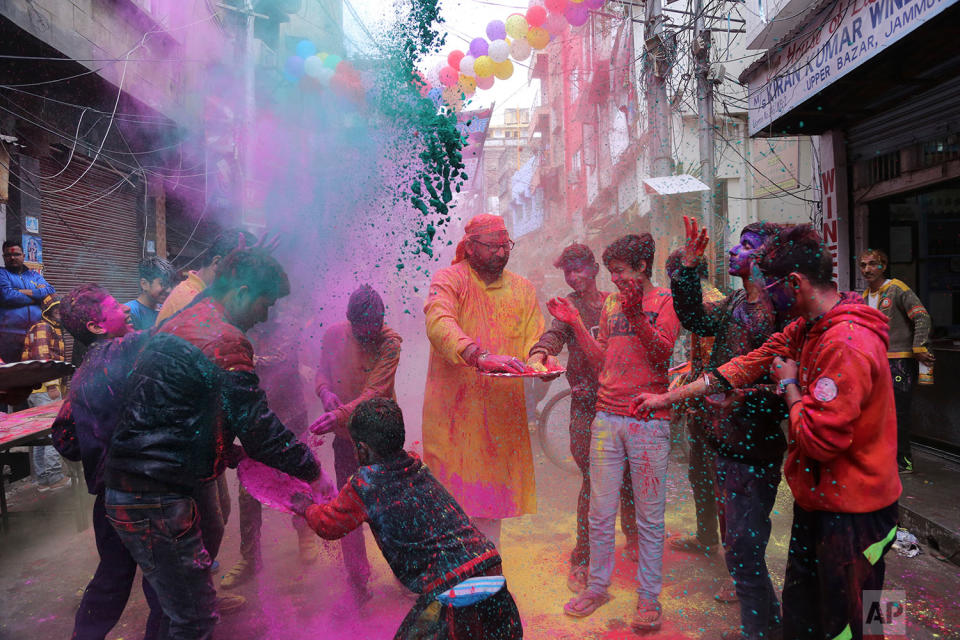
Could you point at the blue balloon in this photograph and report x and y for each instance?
(305, 49)
(294, 66)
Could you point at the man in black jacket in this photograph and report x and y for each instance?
(744, 427)
(191, 391)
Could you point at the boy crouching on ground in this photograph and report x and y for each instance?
(424, 535)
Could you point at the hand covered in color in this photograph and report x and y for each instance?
(646, 403)
(696, 245)
(324, 487)
(563, 310)
(495, 363)
(724, 401)
(300, 502)
(925, 357)
(783, 369)
(328, 398)
(324, 424)
(631, 297)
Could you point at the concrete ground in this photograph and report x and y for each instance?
(45, 562)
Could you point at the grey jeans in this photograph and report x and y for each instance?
(644, 445)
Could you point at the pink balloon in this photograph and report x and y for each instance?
(555, 24)
(536, 15)
(485, 83)
(593, 4)
(448, 76)
(454, 58)
(576, 15)
(556, 6)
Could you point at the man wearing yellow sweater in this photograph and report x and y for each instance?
(909, 340)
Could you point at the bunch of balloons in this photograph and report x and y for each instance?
(488, 58)
(320, 69)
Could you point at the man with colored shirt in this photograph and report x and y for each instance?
(82, 431)
(744, 427)
(21, 292)
(580, 270)
(156, 278)
(185, 292)
(217, 503)
(426, 538)
(163, 453)
(44, 341)
(638, 328)
(841, 452)
(481, 318)
(910, 326)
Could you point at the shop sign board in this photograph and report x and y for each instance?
(834, 43)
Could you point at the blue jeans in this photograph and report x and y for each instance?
(162, 533)
(747, 494)
(645, 446)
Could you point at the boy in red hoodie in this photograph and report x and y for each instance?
(841, 456)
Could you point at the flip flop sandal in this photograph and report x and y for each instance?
(592, 602)
(646, 606)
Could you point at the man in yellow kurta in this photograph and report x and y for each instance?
(475, 438)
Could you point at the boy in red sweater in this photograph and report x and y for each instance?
(831, 367)
(638, 327)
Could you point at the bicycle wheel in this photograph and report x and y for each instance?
(553, 432)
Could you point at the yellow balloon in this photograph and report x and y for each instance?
(483, 66)
(467, 85)
(516, 26)
(538, 37)
(323, 55)
(503, 70)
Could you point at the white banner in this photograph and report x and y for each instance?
(834, 43)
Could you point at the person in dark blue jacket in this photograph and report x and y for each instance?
(21, 292)
(429, 542)
(82, 431)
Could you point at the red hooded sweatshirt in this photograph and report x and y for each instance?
(842, 443)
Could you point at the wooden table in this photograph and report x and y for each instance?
(30, 427)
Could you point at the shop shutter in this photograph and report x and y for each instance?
(925, 117)
(90, 232)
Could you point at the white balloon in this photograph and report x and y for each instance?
(499, 50)
(520, 49)
(326, 75)
(313, 67)
(466, 66)
(433, 75)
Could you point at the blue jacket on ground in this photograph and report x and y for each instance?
(18, 311)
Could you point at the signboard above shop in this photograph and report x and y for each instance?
(833, 43)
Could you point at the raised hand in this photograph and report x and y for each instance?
(631, 296)
(696, 245)
(563, 310)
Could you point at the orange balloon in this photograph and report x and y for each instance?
(538, 37)
(467, 85)
(503, 70)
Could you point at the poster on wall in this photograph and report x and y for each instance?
(32, 248)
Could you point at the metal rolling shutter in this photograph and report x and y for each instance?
(86, 241)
